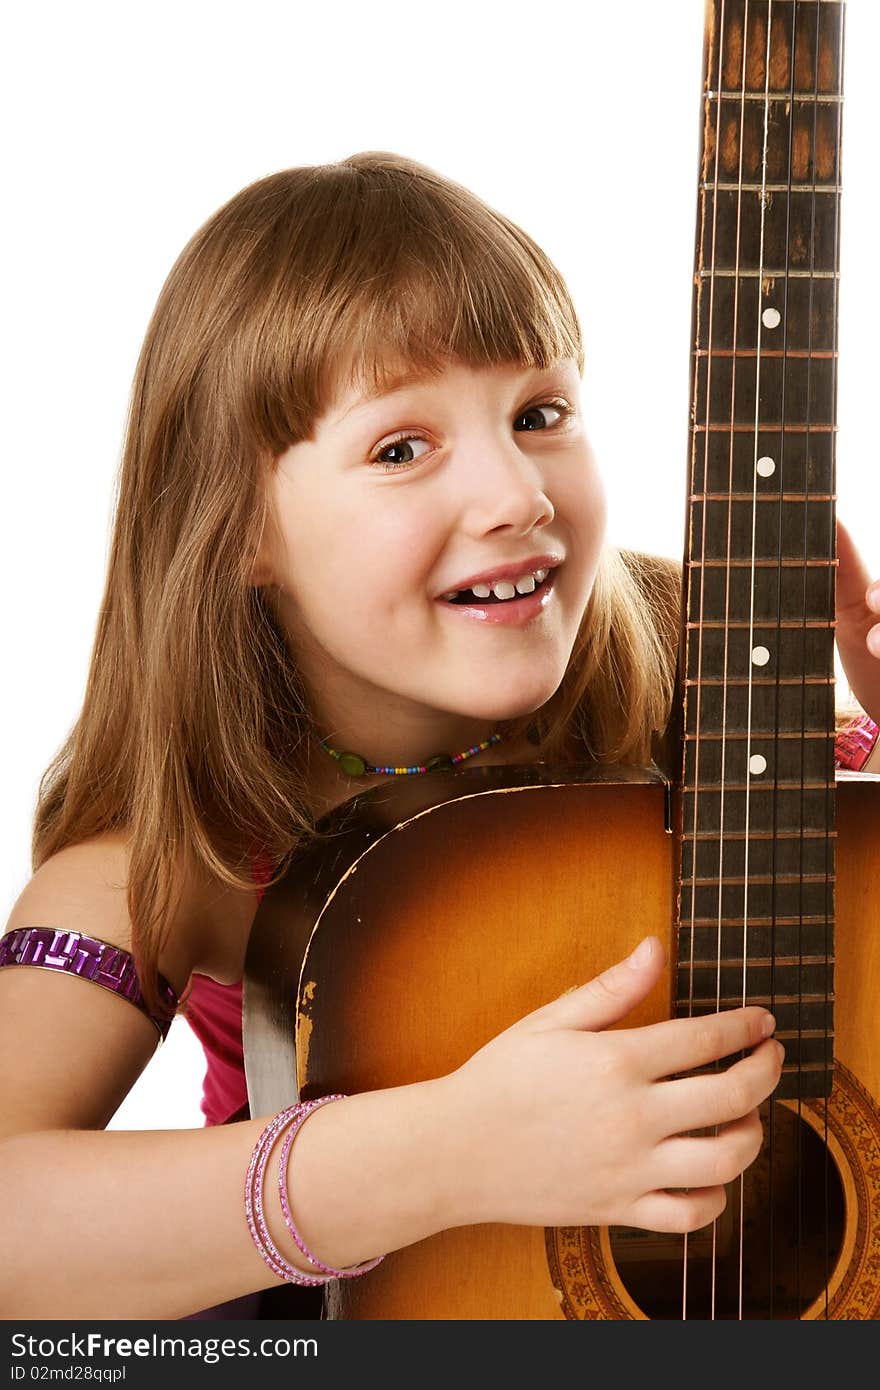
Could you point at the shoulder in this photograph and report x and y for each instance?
(84, 887)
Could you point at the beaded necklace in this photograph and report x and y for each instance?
(354, 765)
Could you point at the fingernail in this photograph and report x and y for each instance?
(768, 1025)
(872, 597)
(642, 954)
(874, 641)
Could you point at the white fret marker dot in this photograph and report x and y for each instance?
(771, 318)
(760, 656)
(757, 763)
(765, 466)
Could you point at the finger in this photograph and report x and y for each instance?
(608, 997)
(706, 1162)
(853, 578)
(677, 1211)
(696, 1102)
(681, 1044)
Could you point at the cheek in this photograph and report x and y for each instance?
(349, 568)
(586, 506)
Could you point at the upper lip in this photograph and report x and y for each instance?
(507, 571)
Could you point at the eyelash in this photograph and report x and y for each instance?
(566, 411)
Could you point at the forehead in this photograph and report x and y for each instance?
(360, 390)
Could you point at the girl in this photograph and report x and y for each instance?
(356, 400)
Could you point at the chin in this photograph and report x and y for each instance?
(509, 706)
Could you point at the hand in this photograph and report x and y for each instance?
(858, 624)
(563, 1124)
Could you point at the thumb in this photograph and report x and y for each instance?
(609, 996)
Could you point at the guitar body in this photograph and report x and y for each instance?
(400, 975)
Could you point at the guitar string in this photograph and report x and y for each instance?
(829, 773)
(751, 646)
(733, 360)
(705, 489)
(777, 689)
(799, 1145)
(830, 789)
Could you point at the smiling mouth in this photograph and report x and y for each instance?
(468, 599)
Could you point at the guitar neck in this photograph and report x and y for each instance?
(756, 907)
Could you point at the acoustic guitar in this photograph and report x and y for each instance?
(436, 911)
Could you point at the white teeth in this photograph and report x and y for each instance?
(502, 588)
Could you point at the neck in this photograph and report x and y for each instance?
(407, 743)
(329, 786)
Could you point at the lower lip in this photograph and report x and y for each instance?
(512, 612)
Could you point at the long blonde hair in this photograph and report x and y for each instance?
(194, 725)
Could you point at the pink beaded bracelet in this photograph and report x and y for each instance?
(253, 1202)
(354, 1270)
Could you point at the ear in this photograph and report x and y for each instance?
(262, 569)
(261, 574)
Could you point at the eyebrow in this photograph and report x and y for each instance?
(416, 377)
(413, 377)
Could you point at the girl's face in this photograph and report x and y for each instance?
(493, 480)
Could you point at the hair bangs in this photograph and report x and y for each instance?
(389, 273)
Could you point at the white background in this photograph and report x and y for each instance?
(127, 125)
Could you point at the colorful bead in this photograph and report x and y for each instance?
(355, 766)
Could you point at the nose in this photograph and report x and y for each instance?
(504, 490)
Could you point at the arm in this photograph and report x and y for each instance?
(151, 1224)
(555, 1121)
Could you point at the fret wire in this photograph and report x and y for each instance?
(712, 187)
(768, 274)
(803, 1032)
(807, 833)
(823, 98)
(789, 1069)
(762, 564)
(763, 497)
(802, 354)
(764, 680)
(769, 428)
(755, 786)
(742, 625)
(812, 920)
(760, 998)
(742, 681)
(688, 881)
(827, 734)
(761, 960)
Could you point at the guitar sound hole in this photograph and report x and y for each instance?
(793, 1226)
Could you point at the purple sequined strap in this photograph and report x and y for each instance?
(91, 959)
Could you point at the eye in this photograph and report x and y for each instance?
(562, 409)
(403, 443)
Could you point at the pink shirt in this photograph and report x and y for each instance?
(213, 1011)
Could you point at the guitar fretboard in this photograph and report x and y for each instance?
(757, 868)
